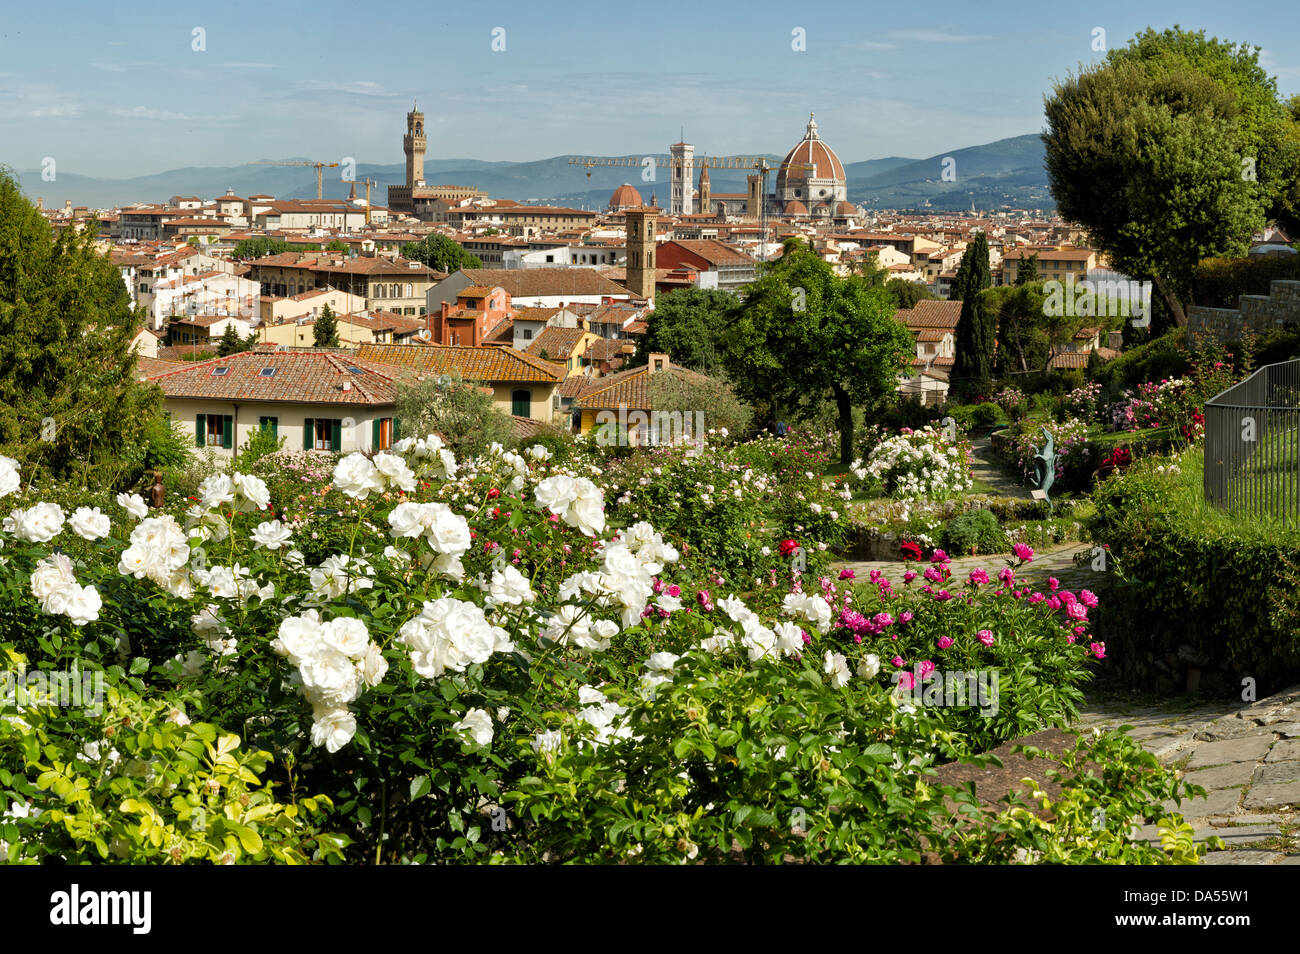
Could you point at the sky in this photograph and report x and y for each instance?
(133, 89)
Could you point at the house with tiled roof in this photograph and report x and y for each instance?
(522, 384)
(564, 346)
(532, 287)
(933, 324)
(316, 400)
(726, 268)
(621, 405)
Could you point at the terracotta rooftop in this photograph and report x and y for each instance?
(558, 343)
(629, 389)
(930, 313)
(545, 282)
(476, 363)
(299, 377)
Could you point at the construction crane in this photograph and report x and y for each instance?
(320, 180)
(368, 184)
(760, 164)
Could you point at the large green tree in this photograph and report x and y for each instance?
(68, 390)
(261, 246)
(975, 334)
(805, 333)
(689, 325)
(440, 253)
(907, 293)
(1175, 148)
(1027, 272)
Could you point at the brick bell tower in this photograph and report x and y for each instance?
(413, 144)
(641, 273)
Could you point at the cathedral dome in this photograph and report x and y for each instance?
(811, 151)
(795, 207)
(624, 197)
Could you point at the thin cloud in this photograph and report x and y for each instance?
(251, 66)
(939, 36)
(149, 113)
(56, 111)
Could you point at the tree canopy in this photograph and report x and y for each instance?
(440, 253)
(806, 333)
(976, 328)
(690, 325)
(261, 246)
(68, 389)
(325, 332)
(1175, 148)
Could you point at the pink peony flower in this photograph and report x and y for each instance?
(1023, 552)
(905, 617)
(938, 556)
(1007, 575)
(985, 636)
(978, 577)
(909, 576)
(906, 680)
(1053, 583)
(1098, 650)
(847, 574)
(927, 667)
(945, 642)
(1088, 597)
(898, 661)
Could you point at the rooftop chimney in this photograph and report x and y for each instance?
(659, 362)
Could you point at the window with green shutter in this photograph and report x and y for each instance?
(227, 431)
(336, 435)
(521, 403)
(200, 429)
(271, 424)
(308, 434)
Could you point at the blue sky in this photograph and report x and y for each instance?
(121, 92)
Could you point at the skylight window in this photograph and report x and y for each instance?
(266, 373)
(355, 370)
(218, 372)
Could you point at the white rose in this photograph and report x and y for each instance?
(216, 490)
(271, 534)
(134, 505)
(348, 635)
(89, 523)
(394, 469)
(40, 523)
(869, 666)
(333, 728)
(476, 724)
(9, 479)
(252, 490)
(357, 477)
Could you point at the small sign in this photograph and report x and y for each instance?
(1038, 494)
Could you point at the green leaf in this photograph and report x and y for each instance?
(420, 786)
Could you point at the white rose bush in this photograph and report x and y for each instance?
(528, 656)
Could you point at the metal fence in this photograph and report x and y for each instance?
(1252, 444)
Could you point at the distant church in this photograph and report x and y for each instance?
(810, 185)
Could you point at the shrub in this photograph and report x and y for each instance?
(1189, 575)
(460, 412)
(976, 531)
(918, 464)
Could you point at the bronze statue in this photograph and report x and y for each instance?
(157, 493)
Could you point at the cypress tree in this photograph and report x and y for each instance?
(973, 366)
(325, 333)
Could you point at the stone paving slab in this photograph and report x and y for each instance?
(1240, 857)
(1247, 757)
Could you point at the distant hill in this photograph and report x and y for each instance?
(1008, 173)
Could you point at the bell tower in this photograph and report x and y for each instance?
(413, 144)
(705, 207)
(683, 174)
(641, 273)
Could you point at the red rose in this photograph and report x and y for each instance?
(911, 551)
(788, 547)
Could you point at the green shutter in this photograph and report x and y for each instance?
(200, 429)
(336, 438)
(374, 434)
(227, 431)
(308, 434)
(269, 423)
(397, 426)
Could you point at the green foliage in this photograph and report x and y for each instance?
(975, 531)
(440, 253)
(906, 293)
(230, 342)
(712, 397)
(325, 330)
(1174, 149)
(804, 332)
(1163, 357)
(1185, 572)
(977, 326)
(69, 398)
(261, 246)
(1220, 282)
(261, 443)
(336, 245)
(458, 411)
(690, 325)
(1024, 337)
(1027, 271)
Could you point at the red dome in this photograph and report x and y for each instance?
(811, 151)
(795, 207)
(845, 208)
(625, 197)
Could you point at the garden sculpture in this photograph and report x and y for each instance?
(157, 493)
(1045, 465)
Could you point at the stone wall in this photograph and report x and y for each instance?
(1257, 313)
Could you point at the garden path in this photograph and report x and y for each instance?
(988, 467)
(1247, 758)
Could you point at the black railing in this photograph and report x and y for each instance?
(1252, 444)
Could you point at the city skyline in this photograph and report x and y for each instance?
(121, 99)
